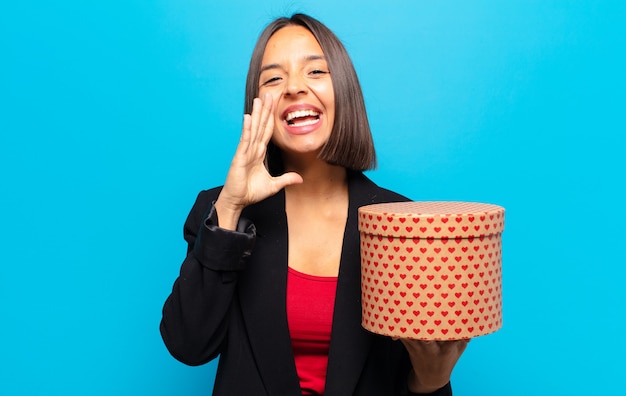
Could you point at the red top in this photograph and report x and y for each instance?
(310, 304)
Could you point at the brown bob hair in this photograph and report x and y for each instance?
(350, 144)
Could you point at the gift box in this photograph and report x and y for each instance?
(431, 270)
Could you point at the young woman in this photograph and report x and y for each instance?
(271, 281)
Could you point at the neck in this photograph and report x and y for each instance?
(320, 178)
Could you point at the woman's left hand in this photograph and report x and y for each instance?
(432, 362)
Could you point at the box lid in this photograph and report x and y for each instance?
(434, 219)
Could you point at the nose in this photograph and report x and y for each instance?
(295, 86)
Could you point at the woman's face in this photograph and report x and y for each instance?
(294, 71)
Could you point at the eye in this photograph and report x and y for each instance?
(318, 72)
(271, 81)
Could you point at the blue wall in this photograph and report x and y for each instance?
(114, 114)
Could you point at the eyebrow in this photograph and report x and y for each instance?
(308, 58)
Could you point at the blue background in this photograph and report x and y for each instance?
(114, 114)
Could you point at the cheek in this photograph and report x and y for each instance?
(330, 106)
(327, 95)
(276, 95)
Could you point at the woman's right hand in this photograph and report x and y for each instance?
(248, 179)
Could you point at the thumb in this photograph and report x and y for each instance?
(287, 179)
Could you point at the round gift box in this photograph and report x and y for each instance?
(431, 270)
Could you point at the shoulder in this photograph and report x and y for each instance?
(202, 205)
(205, 199)
(270, 208)
(365, 190)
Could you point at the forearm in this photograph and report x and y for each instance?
(444, 391)
(195, 314)
(415, 388)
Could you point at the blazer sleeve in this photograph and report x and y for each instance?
(195, 315)
(445, 391)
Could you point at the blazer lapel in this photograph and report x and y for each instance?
(350, 343)
(262, 290)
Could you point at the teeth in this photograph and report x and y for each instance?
(304, 123)
(301, 113)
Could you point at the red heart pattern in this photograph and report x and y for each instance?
(431, 270)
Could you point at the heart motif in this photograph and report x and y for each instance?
(447, 276)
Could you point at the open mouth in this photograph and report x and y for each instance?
(302, 118)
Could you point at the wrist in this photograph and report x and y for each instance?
(227, 215)
(414, 385)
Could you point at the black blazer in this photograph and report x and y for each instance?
(229, 301)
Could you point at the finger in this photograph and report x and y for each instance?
(286, 179)
(422, 346)
(462, 345)
(244, 140)
(245, 129)
(454, 348)
(267, 119)
(429, 346)
(255, 116)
